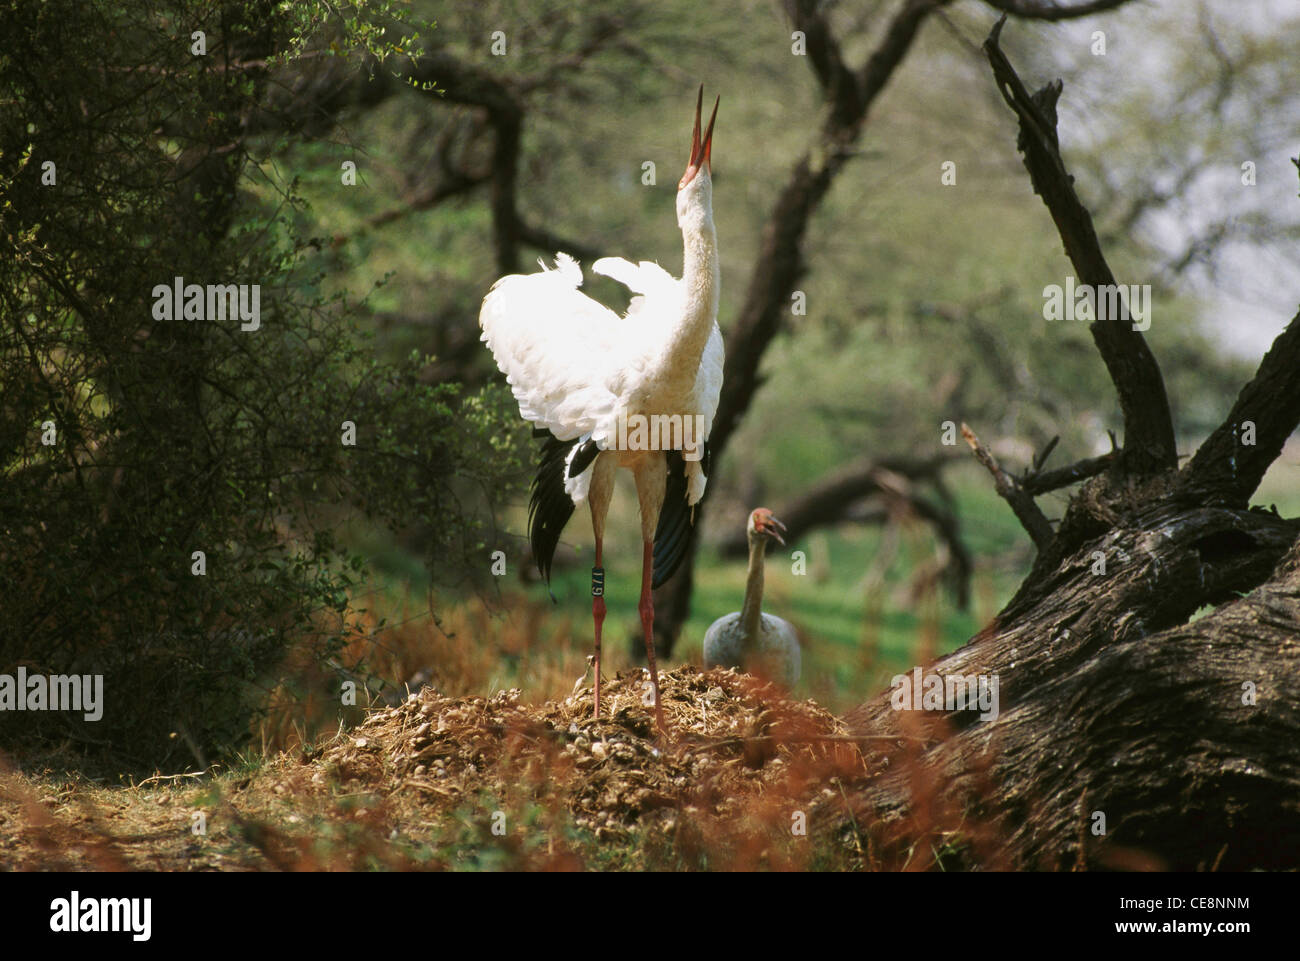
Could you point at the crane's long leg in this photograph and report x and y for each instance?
(651, 473)
(647, 609)
(599, 496)
(598, 614)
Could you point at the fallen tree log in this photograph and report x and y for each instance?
(1184, 736)
(1125, 731)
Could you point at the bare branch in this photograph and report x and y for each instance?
(1148, 426)
(1042, 482)
(829, 500)
(1052, 10)
(1022, 504)
(603, 31)
(427, 198)
(1230, 464)
(837, 81)
(549, 242)
(1041, 457)
(780, 262)
(839, 498)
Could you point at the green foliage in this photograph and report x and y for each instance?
(127, 444)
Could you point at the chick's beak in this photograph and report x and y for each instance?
(700, 149)
(765, 523)
(776, 529)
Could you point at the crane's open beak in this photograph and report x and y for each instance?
(700, 148)
(765, 522)
(775, 530)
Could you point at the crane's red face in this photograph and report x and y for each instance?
(761, 521)
(700, 148)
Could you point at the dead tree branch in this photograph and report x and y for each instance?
(1229, 465)
(549, 242)
(427, 198)
(1022, 504)
(1232, 461)
(1148, 426)
(840, 497)
(1052, 10)
(1043, 482)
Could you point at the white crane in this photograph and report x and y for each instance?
(748, 639)
(604, 391)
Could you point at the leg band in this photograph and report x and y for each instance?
(597, 582)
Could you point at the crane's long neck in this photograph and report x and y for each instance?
(753, 606)
(701, 283)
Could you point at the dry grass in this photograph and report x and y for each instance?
(728, 782)
(470, 647)
(745, 779)
(449, 782)
(455, 776)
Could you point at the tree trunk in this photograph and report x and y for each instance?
(1183, 735)
(1125, 733)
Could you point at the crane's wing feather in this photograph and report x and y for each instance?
(646, 277)
(567, 359)
(708, 382)
(549, 507)
(647, 280)
(653, 282)
(676, 522)
(560, 350)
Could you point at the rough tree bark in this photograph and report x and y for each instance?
(1184, 733)
(1111, 702)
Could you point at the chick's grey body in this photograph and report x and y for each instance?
(775, 653)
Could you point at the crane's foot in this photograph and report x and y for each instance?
(647, 610)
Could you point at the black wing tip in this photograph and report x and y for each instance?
(585, 455)
(676, 527)
(549, 507)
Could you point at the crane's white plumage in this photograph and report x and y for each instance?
(563, 353)
(586, 377)
(576, 367)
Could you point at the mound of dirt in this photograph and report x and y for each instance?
(737, 749)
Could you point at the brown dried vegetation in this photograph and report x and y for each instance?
(746, 779)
